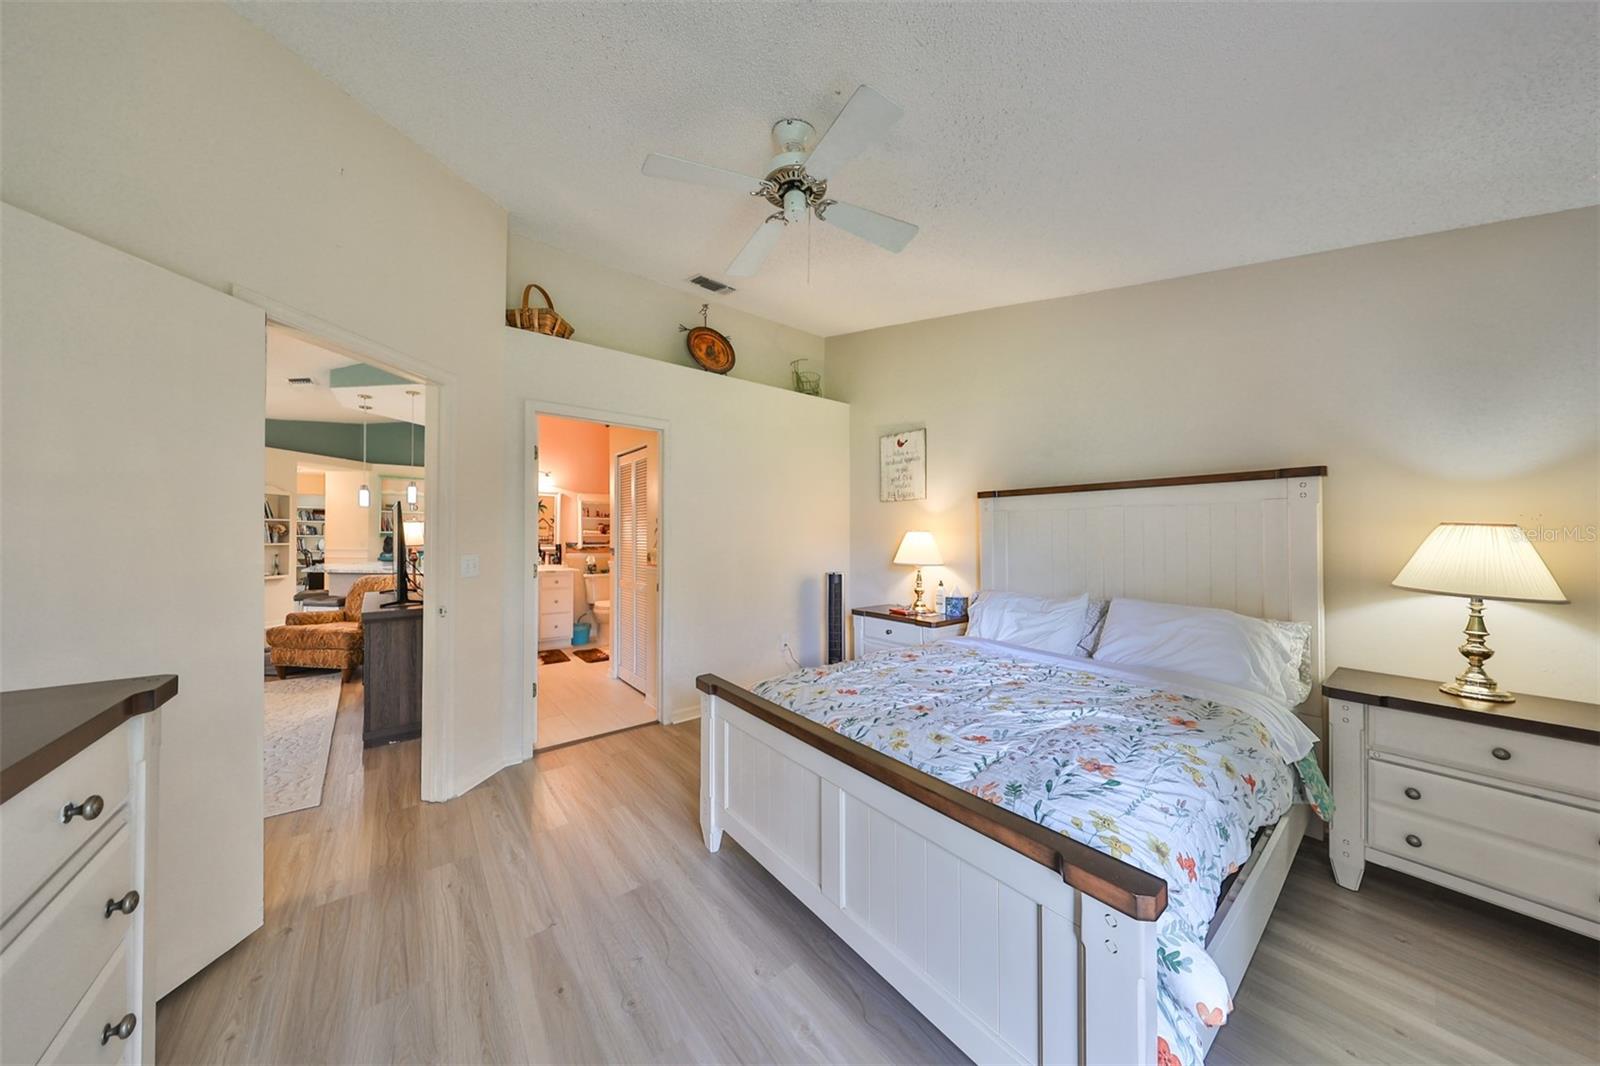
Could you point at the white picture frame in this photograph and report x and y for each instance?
(903, 466)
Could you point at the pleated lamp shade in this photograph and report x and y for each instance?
(1491, 562)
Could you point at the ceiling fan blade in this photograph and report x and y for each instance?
(881, 230)
(675, 169)
(756, 249)
(866, 117)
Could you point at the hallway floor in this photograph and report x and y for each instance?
(578, 700)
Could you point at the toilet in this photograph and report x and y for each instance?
(598, 589)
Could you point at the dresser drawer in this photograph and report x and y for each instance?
(34, 841)
(82, 1041)
(45, 971)
(1560, 881)
(872, 646)
(556, 579)
(552, 626)
(902, 634)
(1560, 765)
(1570, 830)
(555, 601)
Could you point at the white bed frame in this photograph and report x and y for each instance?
(1000, 952)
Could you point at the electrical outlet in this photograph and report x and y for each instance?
(469, 566)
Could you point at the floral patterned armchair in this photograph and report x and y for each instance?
(325, 640)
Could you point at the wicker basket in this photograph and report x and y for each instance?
(538, 319)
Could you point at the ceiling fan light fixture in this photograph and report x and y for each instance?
(797, 178)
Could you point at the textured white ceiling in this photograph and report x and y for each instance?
(1046, 149)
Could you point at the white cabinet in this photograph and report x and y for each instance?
(75, 980)
(556, 592)
(1502, 804)
(876, 630)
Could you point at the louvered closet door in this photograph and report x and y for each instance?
(631, 644)
(622, 610)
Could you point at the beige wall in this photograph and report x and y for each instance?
(1451, 377)
(614, 309)
(185, 136)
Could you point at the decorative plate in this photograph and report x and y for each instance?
(710, 349)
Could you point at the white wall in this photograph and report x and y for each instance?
(1451, 377)
(187, 137)
(614, 309)
(755, 503)
(130, 530)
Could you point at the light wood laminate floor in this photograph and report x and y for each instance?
(566, 911)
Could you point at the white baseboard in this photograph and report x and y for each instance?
(686, 714)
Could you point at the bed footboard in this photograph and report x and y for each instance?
(990, 941)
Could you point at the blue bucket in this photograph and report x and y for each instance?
(580, 632)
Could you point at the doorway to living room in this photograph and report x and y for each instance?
(592, 625)
(345, 509)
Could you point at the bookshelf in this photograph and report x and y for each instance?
(276, 539)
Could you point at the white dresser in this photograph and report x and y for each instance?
(76, 789)
(1499, 801)
(556, 592)
(875, 629)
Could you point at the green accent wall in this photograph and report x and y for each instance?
(388, 443)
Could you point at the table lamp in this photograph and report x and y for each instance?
(1481, 562)
(918, 549)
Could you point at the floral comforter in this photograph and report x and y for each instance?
(1163, 776)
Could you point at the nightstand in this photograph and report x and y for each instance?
(878, 630)
(1500, 801)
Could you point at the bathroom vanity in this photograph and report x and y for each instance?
(557, 593)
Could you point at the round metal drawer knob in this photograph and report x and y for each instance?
(1413, 794)
(88, 810)
(1501, 754)
(126, 905)
(1414, 840)
(122, 1030)
(888, 632)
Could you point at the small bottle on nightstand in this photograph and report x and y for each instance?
(938, 600)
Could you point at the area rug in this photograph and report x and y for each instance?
(300, 714)
(591, 655)
(553, 656)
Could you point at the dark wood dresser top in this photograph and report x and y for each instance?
(41, 728)
(1566, 719)
(926, 621)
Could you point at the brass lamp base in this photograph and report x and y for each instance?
(918, 604)
(1473, 683)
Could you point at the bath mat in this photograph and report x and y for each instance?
(591, 655)
(299, 732)
(553, 656)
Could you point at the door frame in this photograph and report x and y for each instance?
(529, 485)
(439, 470)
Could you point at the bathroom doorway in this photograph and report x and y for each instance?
(592, 616)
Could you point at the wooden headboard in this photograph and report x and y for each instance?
(1250, 542)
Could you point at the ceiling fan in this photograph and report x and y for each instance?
(797, 180)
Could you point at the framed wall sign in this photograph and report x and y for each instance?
(903, 466)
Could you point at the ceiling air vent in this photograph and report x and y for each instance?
(301, 381)
(710, 284)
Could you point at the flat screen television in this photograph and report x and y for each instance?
(405, 590)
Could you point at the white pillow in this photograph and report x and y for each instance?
(1030, 621)
(1249, 653)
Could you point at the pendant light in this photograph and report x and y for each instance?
(364, 494)
(411, 489)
